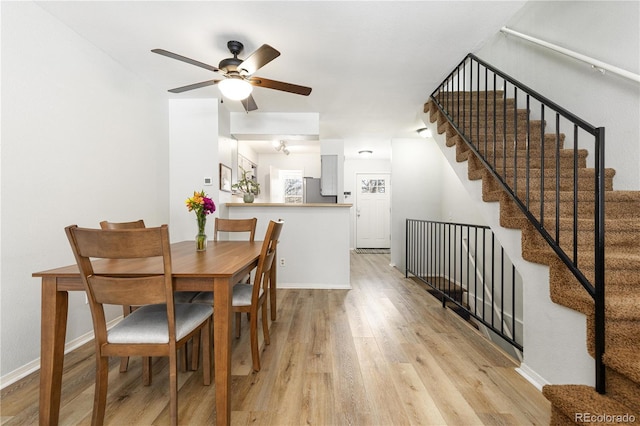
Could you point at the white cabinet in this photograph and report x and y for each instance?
(329, 176)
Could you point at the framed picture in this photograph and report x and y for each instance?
(225, 178)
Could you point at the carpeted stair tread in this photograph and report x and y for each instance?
(625, 361)
(573, 400)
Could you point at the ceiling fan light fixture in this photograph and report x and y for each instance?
(235, 89)
(424, 132)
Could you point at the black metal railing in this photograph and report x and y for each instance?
(549, 175)
(466, 266)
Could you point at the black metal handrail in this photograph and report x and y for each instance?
(505, 128)
(466, 266)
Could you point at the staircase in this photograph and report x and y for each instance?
(540, 170)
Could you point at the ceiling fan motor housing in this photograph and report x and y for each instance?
(230, 65)
(235, 47)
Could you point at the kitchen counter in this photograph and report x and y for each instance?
(287, 205)
(313, 251)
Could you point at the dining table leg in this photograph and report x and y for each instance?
(222, 319)
(53, 328)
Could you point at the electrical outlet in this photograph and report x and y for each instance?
(282, 262)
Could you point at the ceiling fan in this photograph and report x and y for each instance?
(238, 74)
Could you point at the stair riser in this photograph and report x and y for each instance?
(618, 334)
(498, 95)
(534, 130)
(495, 190)
(469, 118)
(497, 131)
(490, 185)
(533, 150)
(618, 241)
(624, 390)
(613, 211)
(550, 185)
(587, 209)
(559, 419)
(550, 142)
(614, 279)
(624, 221)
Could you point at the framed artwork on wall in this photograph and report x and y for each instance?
(225, 178)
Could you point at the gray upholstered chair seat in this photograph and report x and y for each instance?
(184, 296)
(241, 295)
(148, 323)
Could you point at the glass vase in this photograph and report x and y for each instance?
(201, 237)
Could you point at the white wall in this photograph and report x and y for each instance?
(83, 140)
(194, 155)
(608, 31)
(416, 179)
(456, 203)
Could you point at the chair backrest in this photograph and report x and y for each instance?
(106, 283)
(122, 225)
(267, 258)
(235, 225)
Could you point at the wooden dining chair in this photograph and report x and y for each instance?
(178, 297)
(252, 298)
(159, 326)
(234, 225)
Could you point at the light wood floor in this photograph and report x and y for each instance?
(383, 353)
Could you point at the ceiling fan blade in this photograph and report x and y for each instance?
(259, 59)
(184, 59)
(194, 86)
(249, 104)
(279, 85)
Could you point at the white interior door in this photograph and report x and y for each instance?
(373, 210)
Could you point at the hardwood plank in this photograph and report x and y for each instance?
(447, 397)
(417, 402)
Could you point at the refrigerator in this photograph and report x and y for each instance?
(311, 192)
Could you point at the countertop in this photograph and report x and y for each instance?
(329, 205)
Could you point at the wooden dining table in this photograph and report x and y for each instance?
(218, 268)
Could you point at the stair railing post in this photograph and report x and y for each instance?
(599, 301)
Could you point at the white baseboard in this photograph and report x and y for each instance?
(531, 376)
(25, 370)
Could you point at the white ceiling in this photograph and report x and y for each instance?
(371, 65)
